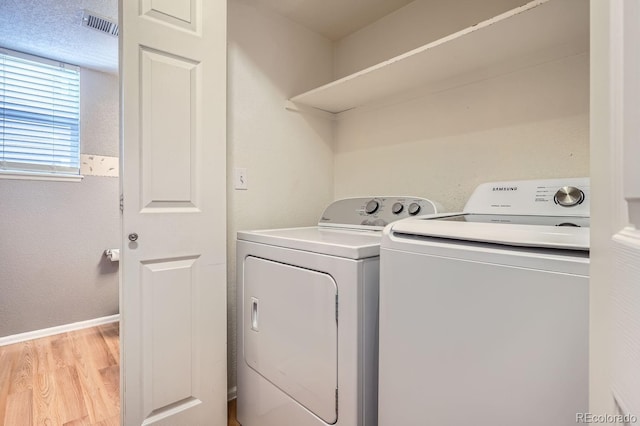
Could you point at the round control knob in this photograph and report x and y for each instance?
(371, 207)
(397, 208)
(568, 196)
(414, 209)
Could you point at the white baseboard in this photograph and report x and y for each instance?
(232, 393)
(36, 334)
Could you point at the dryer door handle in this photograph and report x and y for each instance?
(254, 314)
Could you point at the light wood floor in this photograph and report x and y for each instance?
(232, 414)
(70, 379)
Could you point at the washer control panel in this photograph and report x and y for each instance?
(547, 197)
(375, 212)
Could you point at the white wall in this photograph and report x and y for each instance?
(54, 233)
(532, 123)
(288, 156)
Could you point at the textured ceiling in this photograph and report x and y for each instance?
(52, 29)
(333, 18)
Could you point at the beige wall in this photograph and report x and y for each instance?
(532, 123)
(288, 156)
(416, 24)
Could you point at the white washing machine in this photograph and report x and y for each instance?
(484, 314)
(308, 316)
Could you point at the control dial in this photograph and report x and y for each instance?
(568, 196)
(414, 209)
(371, 207)
(397, 208)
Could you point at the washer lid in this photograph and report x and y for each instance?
(352, 244)
(501, 219)
(551, 232)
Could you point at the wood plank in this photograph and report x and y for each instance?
(44, 361)
(19, 408)
(94, 347)
(7, 357)
(70, 402)
(96, 398)
(96, 401)
(111, 382)
(62, 351)
(84, 421)
(111, 335)
(22, 375)
(45, 408)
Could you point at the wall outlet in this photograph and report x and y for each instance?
(240, 178)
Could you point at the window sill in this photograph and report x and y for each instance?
(20, 175)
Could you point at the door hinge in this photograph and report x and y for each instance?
(336, 309)
(121, 203)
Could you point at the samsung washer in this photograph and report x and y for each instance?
(308, 316)
(484, 314)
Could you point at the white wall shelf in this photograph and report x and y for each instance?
(538, 32)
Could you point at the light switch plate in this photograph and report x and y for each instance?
(240, 178)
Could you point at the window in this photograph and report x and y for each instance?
(39, 116)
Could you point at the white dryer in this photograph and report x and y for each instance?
(308, 316)
(484, 314)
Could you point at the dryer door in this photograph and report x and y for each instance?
(291, 332)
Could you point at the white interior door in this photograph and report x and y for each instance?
(615, 254)
(173, 268)
(625, 247)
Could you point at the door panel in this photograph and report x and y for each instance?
(173, 155)
(168, 338)
(291, 333)
(169, 146)
(172, 8)
(181, 13)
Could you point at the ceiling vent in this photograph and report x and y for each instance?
(100, 23)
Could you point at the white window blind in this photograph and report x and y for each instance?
(39, 115)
